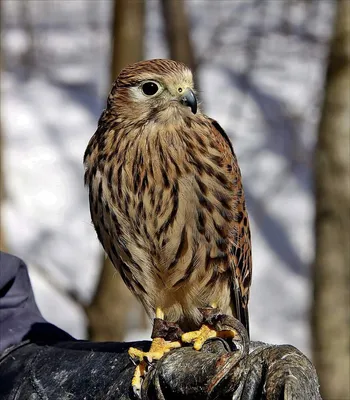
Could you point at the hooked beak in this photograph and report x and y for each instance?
(189, 99)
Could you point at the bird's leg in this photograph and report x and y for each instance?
(165, 337)
(208, 330)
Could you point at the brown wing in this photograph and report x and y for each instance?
(240, 242)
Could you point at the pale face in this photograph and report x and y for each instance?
(163, 97)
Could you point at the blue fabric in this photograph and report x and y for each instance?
(20, 318)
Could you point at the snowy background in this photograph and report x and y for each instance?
(261, 73)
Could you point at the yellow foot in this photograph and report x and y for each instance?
(139, 373)
(158, 348)
(204, 333)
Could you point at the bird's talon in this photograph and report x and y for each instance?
(136, 354)
(137, 392)
(144, 359)
(133, 361)
(137, 379)
(198, 338)
(148, 360)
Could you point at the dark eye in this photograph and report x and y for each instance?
(150, 88)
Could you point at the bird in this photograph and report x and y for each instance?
(167, 200)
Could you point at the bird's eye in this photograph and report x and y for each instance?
(150, 88)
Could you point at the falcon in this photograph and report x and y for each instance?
(167, 202)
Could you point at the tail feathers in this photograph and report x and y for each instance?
(240, 308)
(244, 317)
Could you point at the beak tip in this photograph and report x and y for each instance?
(189, 100)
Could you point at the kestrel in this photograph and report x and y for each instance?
(166, 197)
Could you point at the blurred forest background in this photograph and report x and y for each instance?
(274, 73)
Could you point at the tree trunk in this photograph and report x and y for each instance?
(128, 34)
(178, 32)
(110, 306)
(112, 301)
(331, 308)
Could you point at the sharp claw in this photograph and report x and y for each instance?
(206, 332)
(137, 392)
(144, 360)
(133, 360)
(148, 360)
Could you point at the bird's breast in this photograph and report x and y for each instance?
(177, 198)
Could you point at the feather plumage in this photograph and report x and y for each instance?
(167, 200)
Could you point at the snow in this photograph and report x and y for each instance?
(265, 92)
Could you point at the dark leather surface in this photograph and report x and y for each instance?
(67, 370)
(103, 371)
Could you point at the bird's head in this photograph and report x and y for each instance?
(154, 90)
